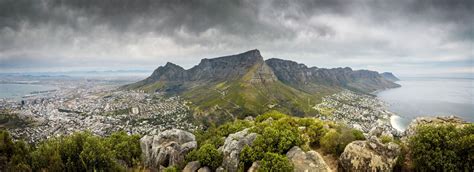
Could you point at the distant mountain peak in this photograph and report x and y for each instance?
(390, 76)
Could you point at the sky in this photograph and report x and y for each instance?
(406, 37)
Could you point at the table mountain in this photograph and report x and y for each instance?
(244, 84)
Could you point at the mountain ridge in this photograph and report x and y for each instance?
(246, 84)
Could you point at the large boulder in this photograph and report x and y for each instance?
(167, 148)
(370, 155)
(309, 161)
(192, 166)
(232, 147)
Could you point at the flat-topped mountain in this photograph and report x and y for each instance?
(244, 84)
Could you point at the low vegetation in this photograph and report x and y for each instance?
(433, 147)
(277, 133)
(446, 147)
(81, 151)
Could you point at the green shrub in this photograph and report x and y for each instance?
(443, 147)
(215, 135)
(171, 169)
(275, 115)
(246, 158)
(14, 156)
(47, 157)
(125, 147)
(335, 140)
(96, 156)
(314, 129)
(278, 137)
(275, 162)
(385, 139)
(207, 155)
(83, 151)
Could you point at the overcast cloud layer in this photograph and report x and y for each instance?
(408, 37)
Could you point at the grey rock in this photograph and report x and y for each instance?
(167, 148)
(254, 167)
(309, 161)
(232, 147)
(220, 169)
(369, 155)
(204, 169)
(192, 166)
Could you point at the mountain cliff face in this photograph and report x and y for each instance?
(244, 84)
(389, 76)
(299, 75)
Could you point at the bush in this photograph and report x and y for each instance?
(314, 129)
(83, 151)
(171, 169)
(47, 157)
(275, 115)
(207, 155)
(278, 136)
(385, 139)
(443, 147)
(275, 162)
(125, 147)
(215, 135)
(246, 158)
(337, 139)
(14, 156)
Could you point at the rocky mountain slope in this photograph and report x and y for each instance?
(390, 76)
(244, 84)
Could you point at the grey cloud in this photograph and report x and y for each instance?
(154, 31)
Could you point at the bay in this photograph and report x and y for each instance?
(430, 97)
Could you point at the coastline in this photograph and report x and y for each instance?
(395, 122)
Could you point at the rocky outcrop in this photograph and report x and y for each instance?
(410, 131)
(309, 161)
(192, 166)
(167, 148)
(370, 155)
(232, 147)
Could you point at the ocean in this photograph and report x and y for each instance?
(429, 97)
(17, 91)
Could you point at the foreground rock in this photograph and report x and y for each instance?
(369, 155)
(310, 161)
(167, 148)
(410, 131)
(232, 147)
(192, 166)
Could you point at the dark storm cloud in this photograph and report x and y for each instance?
(144, 32)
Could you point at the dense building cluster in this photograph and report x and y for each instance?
(100, 109)
(363, 112)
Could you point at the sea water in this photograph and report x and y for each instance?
(17, 91)
(429, 97)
